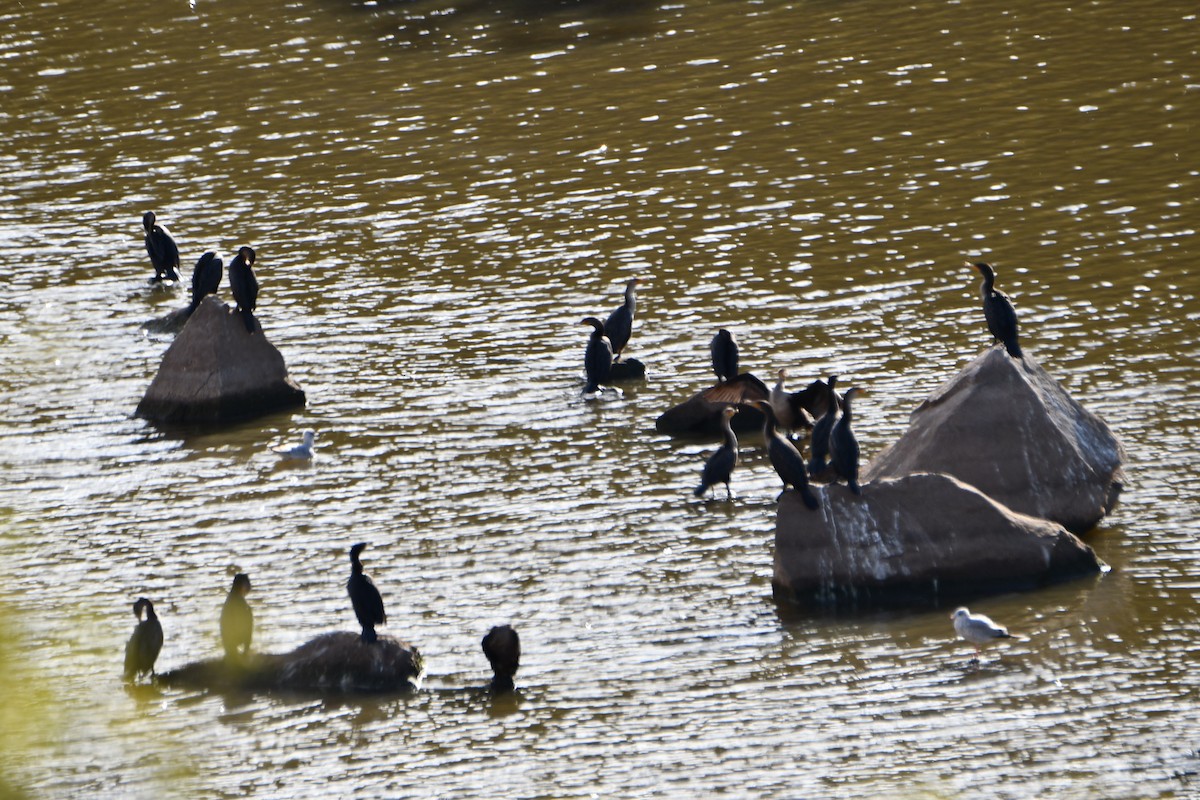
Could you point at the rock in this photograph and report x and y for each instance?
(701, 414)
(1007, 428)
(215, 371)
(331, 662)
(919, 539)
(627, 369)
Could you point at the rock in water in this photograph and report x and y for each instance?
(919, 539)
(216, 371)
(1006, 427)
(330, 663)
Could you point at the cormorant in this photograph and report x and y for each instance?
(237, 620)
(206, 278)
(142, 649)
(502, 646)
(724, 351)
(791, 414)
(244, 285)
(301, 452)
(598, 358)
(820, 432)
(785, 458)
(998, 310)
(978, 629)
(843, 444)
(161, 247)
(719, 467)
(367, 602)
(619, 324)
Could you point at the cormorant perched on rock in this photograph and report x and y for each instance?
(367, 602)
(978, 629)
(998, 310)
(502, 646)
(237, 620)
(598, 358)
(206, 279)
(619, 324)
(724, 351)
(719, 467)
(161, 247)
(819, 449)
(244, 285)
(785, 458)
(142, 649)
(843, 444)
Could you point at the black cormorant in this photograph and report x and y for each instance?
(237, 620)
(161, 247)
(502, 646)
(819, 449)
(843, 445)
(724, 351)
(142, 649)
(785, 458)
(719, 467)
(244, 285)
(206, 279)
(998, 310)
(368, 604)
(598, 358)
(619, 324)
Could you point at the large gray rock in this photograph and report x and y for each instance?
(1006, 427)
(918, 539)
(216, 371)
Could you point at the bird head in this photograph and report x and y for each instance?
(247, 254)
(148, 220)
(241, 583)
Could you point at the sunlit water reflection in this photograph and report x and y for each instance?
(437, 199)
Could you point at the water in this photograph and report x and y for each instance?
(437, 197)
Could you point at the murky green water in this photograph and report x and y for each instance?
(437, 196)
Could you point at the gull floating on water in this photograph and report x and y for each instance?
(978, 629)
(300, 451)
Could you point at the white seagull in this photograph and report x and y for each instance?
(978, 629)
(301, 451)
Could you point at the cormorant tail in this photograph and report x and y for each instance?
(809, 498)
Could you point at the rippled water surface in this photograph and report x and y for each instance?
(438, 194)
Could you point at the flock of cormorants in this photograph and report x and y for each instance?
(501, 645)
(206, 275)
(833, 446)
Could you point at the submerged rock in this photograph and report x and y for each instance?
(1006, 427)
(627, 369)
(331, 662)
(918, 539)
(216, 371)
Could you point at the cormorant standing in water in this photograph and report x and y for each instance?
(619, 324)
(724, 351)
(820, 432)
(998, 310)
(206, 279)
(502, 646)
(237, 620)
(598, 358)
(161, 247)
(367, 602)
(785, 458)
(142, 649)
(843, 445)
(719, 467)
(244, 285)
